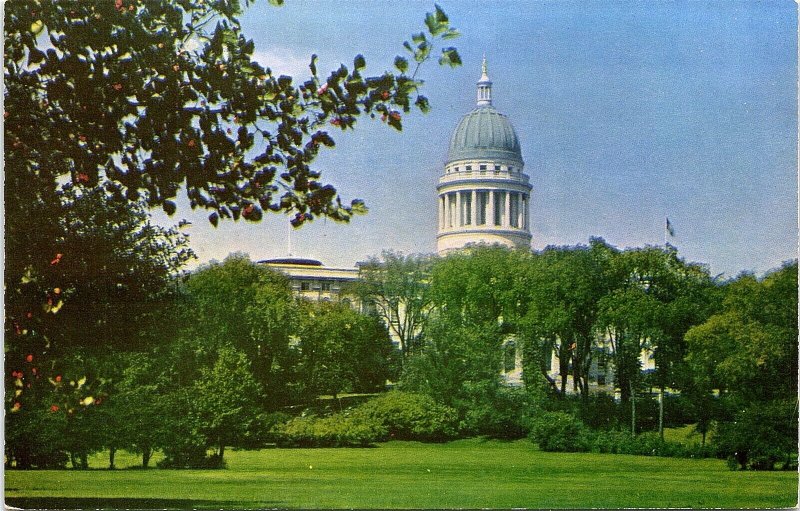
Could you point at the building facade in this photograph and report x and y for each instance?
(311, 280)
(483, 195)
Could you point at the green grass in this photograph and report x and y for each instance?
(466, 473)
(686, 435)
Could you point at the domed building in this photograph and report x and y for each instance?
(484, 195)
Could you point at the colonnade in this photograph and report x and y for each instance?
(493, 208)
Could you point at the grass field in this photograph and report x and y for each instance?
(467, 473)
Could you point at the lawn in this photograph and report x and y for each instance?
(465, 474)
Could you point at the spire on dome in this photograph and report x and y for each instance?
(484, 86)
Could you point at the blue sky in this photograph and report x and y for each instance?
(626, 112)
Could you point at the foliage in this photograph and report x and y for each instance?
(752, 341)
(409, 416)
(251, 307)
(761, 435)
(563, 293)
(341, 350)
(102, 278)
(34, 438)
(338, 430)
(646, 444)
(146, 97)
(559, 431)
(396, 288)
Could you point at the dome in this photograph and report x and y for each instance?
(484, 133)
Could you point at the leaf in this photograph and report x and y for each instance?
(401, 64)
(357, 207)
(276, 3)
(213, 218)
(451, 34)
(359, 62)
(422, 104)
(312, 66)
(87, 401)
(81, 382)
(169, 207)
(450, 57)
(36, 27)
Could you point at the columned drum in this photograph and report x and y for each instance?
(484, 195)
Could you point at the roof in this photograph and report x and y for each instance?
(484, 133)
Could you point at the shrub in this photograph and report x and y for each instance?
(559, 431)
(338, 430)
(409, 416)
(761, 436)
(501, 413)
(646, 444)
(599, 411)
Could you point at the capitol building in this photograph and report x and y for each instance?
(484, 195)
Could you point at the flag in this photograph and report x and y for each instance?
(670, 229)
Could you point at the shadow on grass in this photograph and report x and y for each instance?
(132, 503)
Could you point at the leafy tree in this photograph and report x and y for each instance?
(749, 349)
(251, 307)
(225, 400)
(141, 98)
(146, 97)
(107, 275)
(396, 288)
(341, 349)
(565, 287)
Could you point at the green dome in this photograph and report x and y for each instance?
(484, 133)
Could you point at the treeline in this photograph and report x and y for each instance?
(723, 353)
(133, 354)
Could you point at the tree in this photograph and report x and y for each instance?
(225, 400)
(749, 349)
(396, 287)
(147, 97)
(565, 287)
(250, 307)
(107, 277)
(341, 349)
(142, 98)
(477, 299)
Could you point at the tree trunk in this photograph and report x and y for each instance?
(73, 460)
(146, 452)
(661, 412)
(111, 452)
(84, 461)
(221, 451)
(703, 442)
(633, 410)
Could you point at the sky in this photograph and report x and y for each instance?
(627, 113)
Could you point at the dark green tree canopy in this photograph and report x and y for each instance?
(148, 96)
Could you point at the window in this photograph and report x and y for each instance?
(510, 168)
(326, 286)
(482, 167)
(469, 167)
(455, 169)
(305, 286)
(497, 167)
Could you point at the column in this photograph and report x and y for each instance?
(474, 208)
(490, 213)
(507, 215)
(441, 212)
(520, 212)
(459, 213)
(525, 211)
(446, 210)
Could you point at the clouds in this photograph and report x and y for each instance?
(284, 61)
